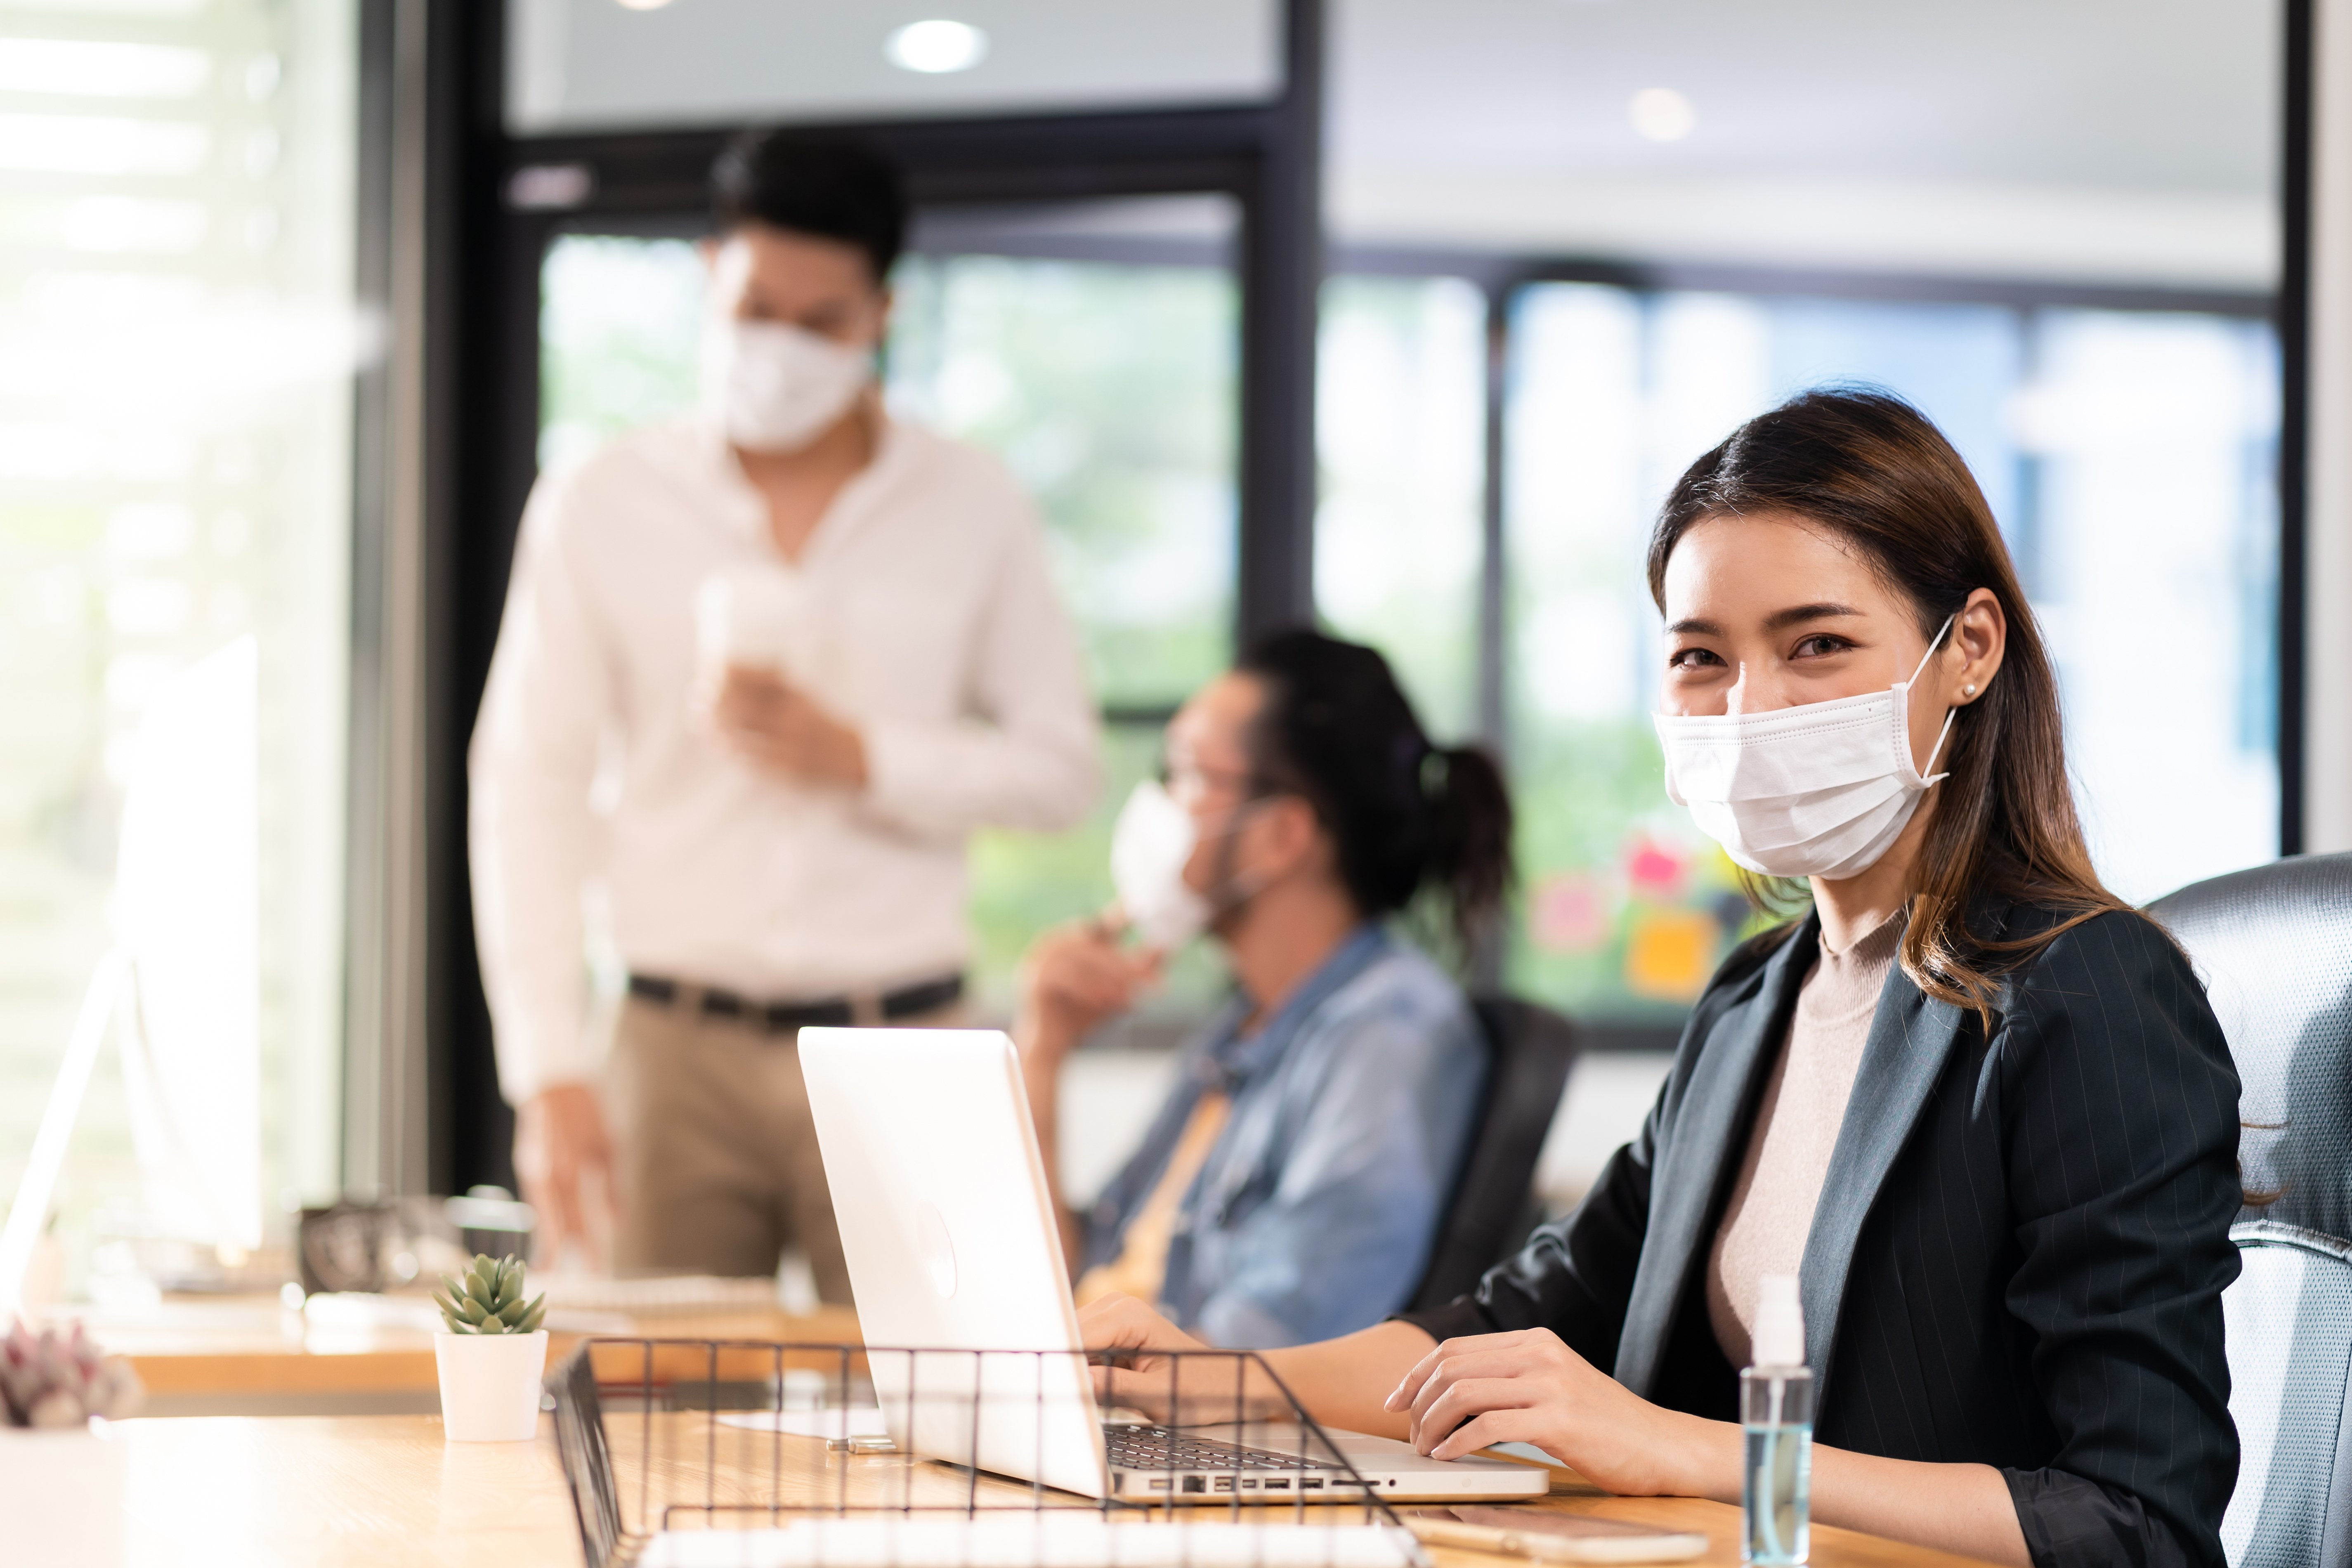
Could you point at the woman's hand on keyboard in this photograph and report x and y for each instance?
(1529, 1387)
(1145, 1363)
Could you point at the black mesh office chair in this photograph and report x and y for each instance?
(2275, 948)
(1528, 1052)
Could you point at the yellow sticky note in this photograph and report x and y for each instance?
(1670, 953)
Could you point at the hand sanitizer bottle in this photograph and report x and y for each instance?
(1776, 1409)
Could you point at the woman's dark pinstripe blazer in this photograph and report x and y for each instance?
(2018, 1253)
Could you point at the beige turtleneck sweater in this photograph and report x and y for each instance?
(1796, 1128)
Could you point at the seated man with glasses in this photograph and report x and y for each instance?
(1291, 1188)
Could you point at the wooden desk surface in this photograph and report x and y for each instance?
(251, 1346)
(363, 1491)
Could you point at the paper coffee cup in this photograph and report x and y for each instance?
(754, 617)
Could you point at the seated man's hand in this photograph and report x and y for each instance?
(562, 1153)
(787, 730)
(1072, 978)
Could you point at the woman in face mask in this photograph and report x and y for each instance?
(1291, 1186)
(1977, 1105)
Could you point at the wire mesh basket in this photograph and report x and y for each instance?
(693, 1453)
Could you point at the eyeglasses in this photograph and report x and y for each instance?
(1192, 783)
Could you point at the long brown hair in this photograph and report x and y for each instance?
(1874, 472)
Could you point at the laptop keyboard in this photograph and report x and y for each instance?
(1167, 1448)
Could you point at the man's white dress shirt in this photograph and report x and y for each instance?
(938, 636)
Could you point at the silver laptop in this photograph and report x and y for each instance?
(953, 1249)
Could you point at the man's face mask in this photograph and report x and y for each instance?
(776, 387)
(1152, 844)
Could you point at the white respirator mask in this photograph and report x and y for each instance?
(1818, 790)
(776, 387)
(1149, 847)
(1150, 844)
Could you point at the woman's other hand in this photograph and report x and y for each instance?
(1146, 1362)
(1528, 1387)
(1122, 1327)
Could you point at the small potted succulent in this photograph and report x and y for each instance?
(491, 1358)
(48, 1382)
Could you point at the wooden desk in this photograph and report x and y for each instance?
(251, 1356)
(363, 1491)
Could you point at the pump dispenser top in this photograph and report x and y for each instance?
(1780, 1336)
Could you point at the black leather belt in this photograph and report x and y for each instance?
(833, 1013)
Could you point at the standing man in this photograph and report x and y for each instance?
(762, 668)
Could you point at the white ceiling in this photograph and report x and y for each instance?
(2122, 140)
(2110, 140)
(603, 65)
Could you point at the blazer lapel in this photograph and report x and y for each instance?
(1708, 1138)
(1911, 1034)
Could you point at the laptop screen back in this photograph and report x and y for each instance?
(953, 1247)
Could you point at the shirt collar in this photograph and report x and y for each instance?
(1231, 1061)
(748, 512)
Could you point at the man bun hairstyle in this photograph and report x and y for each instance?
(1405, 816)
(829, 186)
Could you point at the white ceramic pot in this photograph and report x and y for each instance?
(489, 1385)
(64, 1488)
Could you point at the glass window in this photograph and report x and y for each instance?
(1401, 428)
(1626, 903)
(1110, 390)
(618, 321)
(176, 340)
(2129, 457)
(2152, 442)
(574, 64)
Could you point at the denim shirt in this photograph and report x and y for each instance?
(1314, 1211)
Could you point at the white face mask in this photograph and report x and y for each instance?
(1150, 844)
(1818, 789)
(1149, 847)
(776, 387)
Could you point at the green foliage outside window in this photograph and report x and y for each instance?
(1110, 393)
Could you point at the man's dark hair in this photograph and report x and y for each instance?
(1404, 816)
(827, 187)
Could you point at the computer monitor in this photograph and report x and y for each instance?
(186, 917)
(182, 982)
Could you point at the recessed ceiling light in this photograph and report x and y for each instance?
(642, 5)
(1662, 114)
(936, 46)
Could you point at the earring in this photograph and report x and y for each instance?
(1967, 691)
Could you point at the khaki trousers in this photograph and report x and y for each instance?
(719, 1162)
